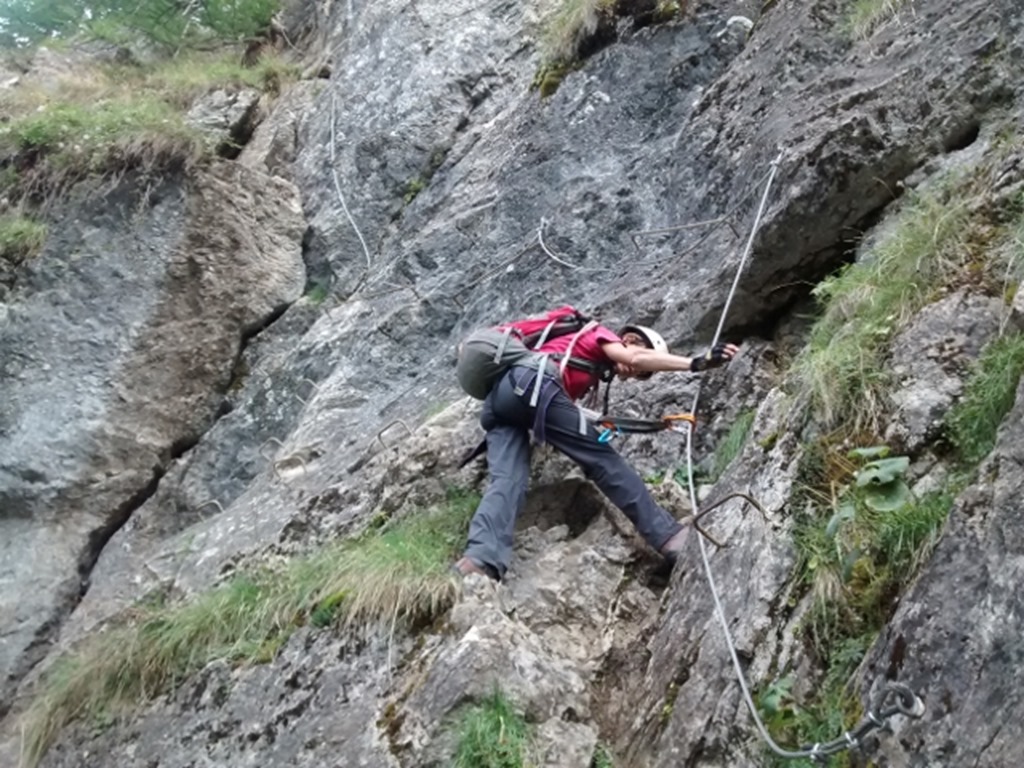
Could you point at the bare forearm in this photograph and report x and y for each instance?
(648, 360)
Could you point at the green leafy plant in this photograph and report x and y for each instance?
(776, 706)
(492, 734)
(666, 10)
(988, 396)
(317, 293)
(412, 188)
(602, 757)
(397, 573)
(831, 710)
(860, 539)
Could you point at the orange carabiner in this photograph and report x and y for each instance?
(675, 421)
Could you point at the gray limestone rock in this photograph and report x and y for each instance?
(115, 347)
(956, 637)
(931, 360)
(428, 174)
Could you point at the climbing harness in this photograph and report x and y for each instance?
(903, 700)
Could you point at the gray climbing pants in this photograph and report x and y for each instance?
(507, 416)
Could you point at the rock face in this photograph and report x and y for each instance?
(961, 653)
(170, 406)
(118, 347)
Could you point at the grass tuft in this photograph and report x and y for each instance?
(866, 303)
(113, 118)
(867, 15)
(492, 735)
(399, 573)
(570, 26)
(21, 238)
(988, 396)
(732, 444)
(181, 80)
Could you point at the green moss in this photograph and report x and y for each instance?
(550, 76)
(412, 188)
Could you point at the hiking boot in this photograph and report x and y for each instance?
(465, 566)
(670, 549)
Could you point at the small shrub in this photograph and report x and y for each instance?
(492, 735)
(21, 238)
(602, 757)
(988, 396)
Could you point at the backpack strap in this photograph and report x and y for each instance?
(500, 350)
(542, 364)
(572, 343)
(545, 334)
(567, 358)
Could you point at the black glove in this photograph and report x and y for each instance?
(713, 358)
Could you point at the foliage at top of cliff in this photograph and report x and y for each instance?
(166, 24)
(103, 119)
(90, 116)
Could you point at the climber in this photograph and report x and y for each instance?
(635, 352)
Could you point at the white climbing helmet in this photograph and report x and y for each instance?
(654, 341)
